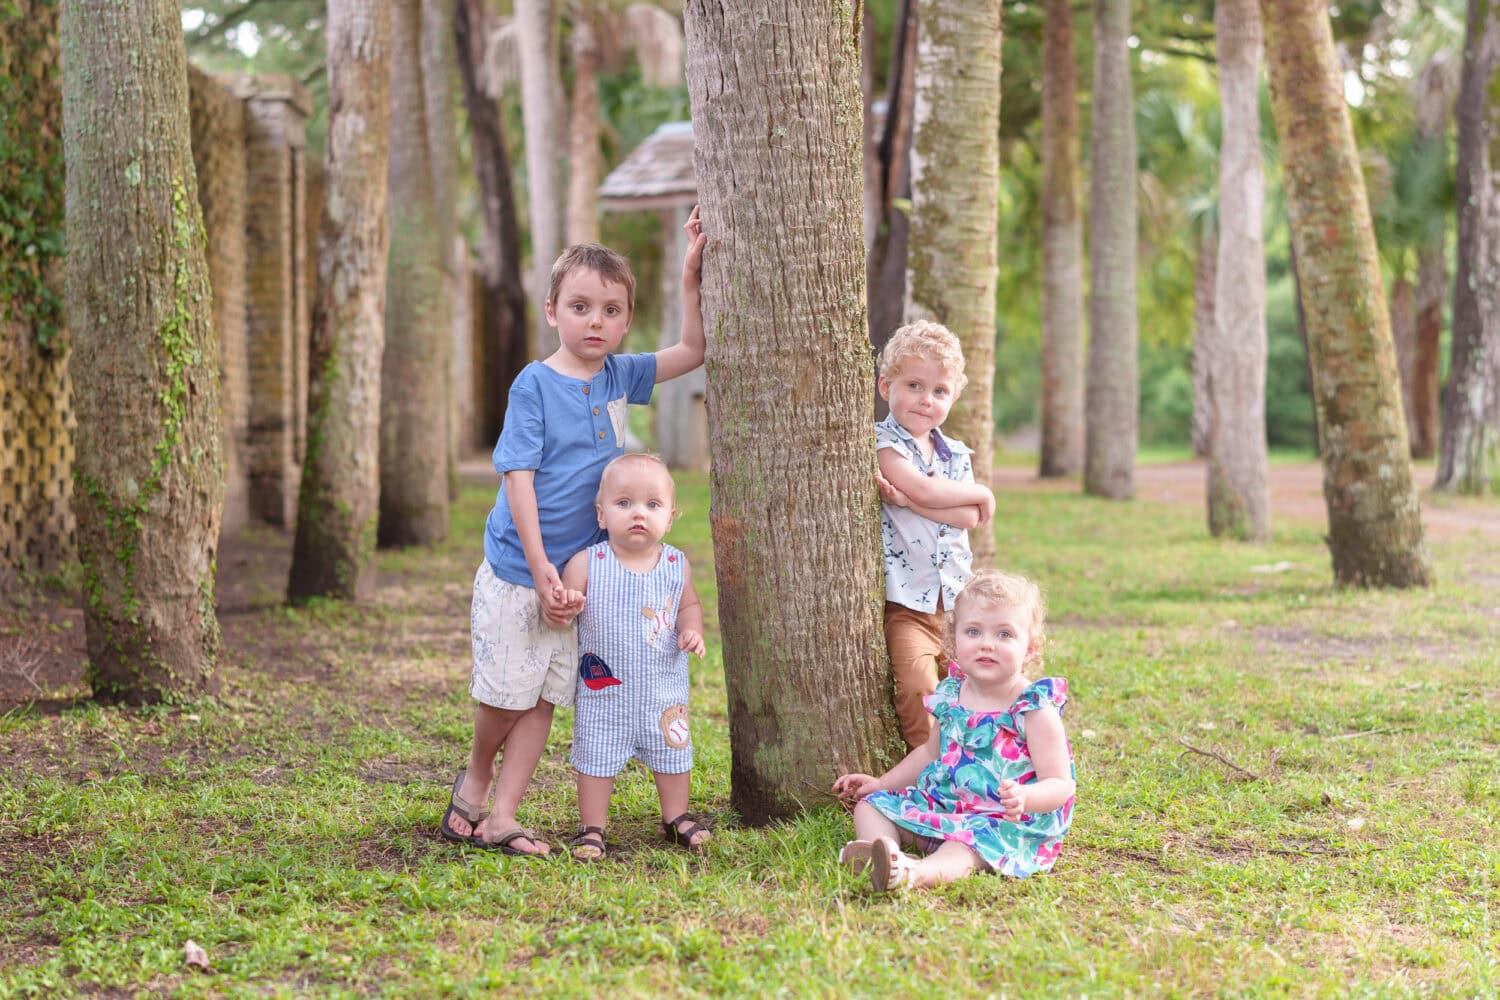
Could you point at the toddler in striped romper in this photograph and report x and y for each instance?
(640, 619)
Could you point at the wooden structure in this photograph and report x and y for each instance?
(658, 176)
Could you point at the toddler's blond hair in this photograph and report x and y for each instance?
(924, 339)
(636, 458)
(1011, 590)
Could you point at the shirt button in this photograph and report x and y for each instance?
(596, 411)
(601, 435)
(585, 390)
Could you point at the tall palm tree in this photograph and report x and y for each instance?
(1112, 392)
(1469, 460)
(334, 551)
(778, 167)
(149, 472)
(1374, 517)
(955, 154)
(1238, 477)
(1062, 250)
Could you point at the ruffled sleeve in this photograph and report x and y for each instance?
(1047, 691)
(946, 695)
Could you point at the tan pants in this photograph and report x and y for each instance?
(915, 641)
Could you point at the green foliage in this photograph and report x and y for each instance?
(31, 173)
(1339, 844)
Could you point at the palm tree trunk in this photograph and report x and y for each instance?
(955, 156)
(885, 271)
(437, 86)
(1469, 460)
(1205, 279)
(149, 470)
(541, 104)
(1239, 495)
(796, 529)
(1112, 392)
(334, 551)
(1374, 517)
(1062, 251)
(1434, 99)
(583, 132)
(502, 352)
(416, 364)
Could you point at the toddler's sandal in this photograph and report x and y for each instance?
(588, 844)
(856, 855)
(683, 838)
(890, 869)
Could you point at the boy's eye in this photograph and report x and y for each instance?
(940, 391)
(622, 503)
(613, 310)
(654, 505)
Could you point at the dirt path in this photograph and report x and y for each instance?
(1296, 495)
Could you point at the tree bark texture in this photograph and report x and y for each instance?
(1403, 306)
(502, 352)
(1112, 393)
(1205, 280)
(1374, 518)
(885, 269)
(1435, 92)
(584, 161)
(442, 140)
(541, 103)
(775, 101)
(1469, 459)
(1432, 287)
(415, 364)
(955, 170)
(1239, 494)
(338, 506)
(149, 476)
(37, 425)
(1062, 250)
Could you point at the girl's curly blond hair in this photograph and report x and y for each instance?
(1011, 590)
(924, 339)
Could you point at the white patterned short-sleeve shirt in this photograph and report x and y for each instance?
(923, 558)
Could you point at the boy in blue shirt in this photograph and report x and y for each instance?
(564, 422)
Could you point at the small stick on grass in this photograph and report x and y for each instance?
(1221, 759)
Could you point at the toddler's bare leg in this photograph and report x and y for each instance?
(948, 863)
(674, 791)
(870, 823)
(593, 799)
(524, 744)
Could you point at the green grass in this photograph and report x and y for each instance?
(1345, 839)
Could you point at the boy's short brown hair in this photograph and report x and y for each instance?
(603, 261)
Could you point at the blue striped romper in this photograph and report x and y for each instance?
(629, 621)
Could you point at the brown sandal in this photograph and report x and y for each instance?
(684, 838)
(588, 838)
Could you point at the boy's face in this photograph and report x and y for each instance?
(920, 393)
(635, 505)
(591, 315)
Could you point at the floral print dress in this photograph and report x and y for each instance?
(957, 796)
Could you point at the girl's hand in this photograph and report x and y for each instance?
(692, 262)
(1012, 800)
(855, 786)
(691, 641)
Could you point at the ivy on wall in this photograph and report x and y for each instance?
(31, 169)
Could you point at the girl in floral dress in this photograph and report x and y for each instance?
(992, 788)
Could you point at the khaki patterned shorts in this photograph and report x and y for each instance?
(518, 657)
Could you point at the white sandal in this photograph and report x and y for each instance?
(890, 869)
(855, 856)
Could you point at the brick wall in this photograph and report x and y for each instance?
(218, 123)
